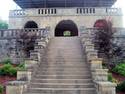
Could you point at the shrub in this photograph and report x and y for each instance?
(110, 78)
(12, 71)
(6, 61)
(121, 87)
(22, 65)
(8, 69)
(1, 89)
(120, 68)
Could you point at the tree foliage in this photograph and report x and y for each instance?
(3, 25)
(27, 42)
(104, 40)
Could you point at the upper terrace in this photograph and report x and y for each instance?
(104, 11)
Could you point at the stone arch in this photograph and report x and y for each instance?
(66, 25)
(31, 24)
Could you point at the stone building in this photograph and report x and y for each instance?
(69, 15)
(60, 65)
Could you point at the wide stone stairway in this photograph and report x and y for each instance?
(63, 70)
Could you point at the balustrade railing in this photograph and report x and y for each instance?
(66, 11)
(15, 33)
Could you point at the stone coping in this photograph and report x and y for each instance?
(85, 44)
(16, 83)
(94, 59)
(100, 74)
(99, 70)
(97, 59)
(106, 84)
(91, 51)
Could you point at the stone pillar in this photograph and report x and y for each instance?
(89, 47)
(30, 63)
(100, 74)
(96, 63)
(106, 88)
(35, 55)
(91, 55)
(24, 75)
(16, 87)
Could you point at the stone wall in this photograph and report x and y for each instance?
(10, 47)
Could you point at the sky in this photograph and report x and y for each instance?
(6, 5)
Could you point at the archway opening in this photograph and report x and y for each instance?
(31, 24)
(66, 28)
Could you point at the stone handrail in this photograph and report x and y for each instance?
(15, 33)
(99, 75)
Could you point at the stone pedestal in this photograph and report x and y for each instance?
(91, 55)
(42, 43)
(100, 74)
(35, 55)
(86, 38)
(24, 75)
(105, 88)
(88, 43)
(16, 87)
(30, 63)
(89, 47)
(96, 63)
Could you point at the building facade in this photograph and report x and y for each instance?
(67, 16)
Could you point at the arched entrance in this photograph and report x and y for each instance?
(31, 24)
(66, 28)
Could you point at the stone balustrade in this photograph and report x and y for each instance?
(99, 75)
(15, 33)
(66, 11)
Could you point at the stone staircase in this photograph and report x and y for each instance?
(63, 70)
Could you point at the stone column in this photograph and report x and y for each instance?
(106, 88)
(100, 74)
(91, 55)
(35, 55)
(16, 87)
(24, 75)
(96, 63)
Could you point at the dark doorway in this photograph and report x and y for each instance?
(66, 28)
(31, 24)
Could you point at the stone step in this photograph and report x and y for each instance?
(62, 73)
(63, 66)
(63, 90)
(53, 62)
(41, 85)
(63, 77)
(64, 60)
(87, 80)
(66, 92)
(63, 69)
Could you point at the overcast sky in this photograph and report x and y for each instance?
(6, 5)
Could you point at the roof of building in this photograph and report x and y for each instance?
(64, 3)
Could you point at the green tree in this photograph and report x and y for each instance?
(3, 24)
